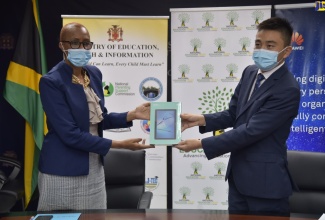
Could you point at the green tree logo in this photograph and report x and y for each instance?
(183, 18)
(196, 166)
(208, 191)
(220, 43)
(196, 43)
(219, 167)
(185, 191)
(232, 68)
(257, 16)
(184, 69)
(232, 17)
(207, 69)
(244, 42)
(207, 17)
(215, 101)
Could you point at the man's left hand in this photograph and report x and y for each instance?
(189, 145)
(141, 112)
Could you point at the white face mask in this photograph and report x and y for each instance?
(266, 59)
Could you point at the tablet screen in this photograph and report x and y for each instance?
(165, 124)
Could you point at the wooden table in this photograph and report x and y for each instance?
(163, 214)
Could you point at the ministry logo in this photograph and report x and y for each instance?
(115, 33)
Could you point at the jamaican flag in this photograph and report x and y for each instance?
(22, 91)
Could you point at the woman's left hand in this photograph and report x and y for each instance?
(132, 144)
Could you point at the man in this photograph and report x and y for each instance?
(257, 173)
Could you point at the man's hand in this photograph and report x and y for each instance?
(189, 145)
(132, 144)
(191, 120)
(140, 112)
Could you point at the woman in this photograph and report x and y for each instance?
(71, 175)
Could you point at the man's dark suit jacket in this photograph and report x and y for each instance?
(67, 144)
(257, 142)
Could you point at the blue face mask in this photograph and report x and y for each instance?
(79, 57)
(266, 59)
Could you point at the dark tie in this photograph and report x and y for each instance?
(260, 77)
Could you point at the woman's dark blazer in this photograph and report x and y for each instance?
(67, 144)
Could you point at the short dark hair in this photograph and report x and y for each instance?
(278, 24)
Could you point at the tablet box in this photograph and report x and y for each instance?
(165, 123)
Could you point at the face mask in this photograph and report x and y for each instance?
(79, 57)
(266, 59)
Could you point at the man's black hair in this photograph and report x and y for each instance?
(278, 24)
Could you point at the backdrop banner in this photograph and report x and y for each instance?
(131, 52)
(307, 63)
(210, 47)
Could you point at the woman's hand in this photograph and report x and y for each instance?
(141, 112)
(132, 144)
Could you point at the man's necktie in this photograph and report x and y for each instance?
(260, 77)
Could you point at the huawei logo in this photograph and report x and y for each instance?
(297, 38)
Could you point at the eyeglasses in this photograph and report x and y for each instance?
(76, 44)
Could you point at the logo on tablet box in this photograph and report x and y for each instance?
(320, 6)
